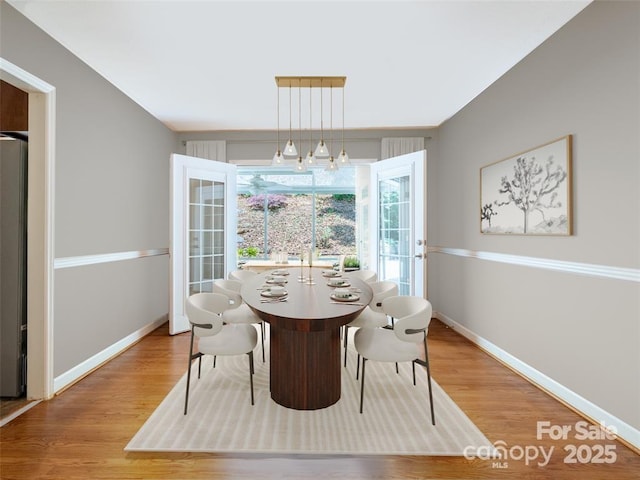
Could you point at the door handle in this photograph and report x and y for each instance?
(419, 255)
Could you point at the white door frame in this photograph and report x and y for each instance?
(415, 165)
(40, 221)
(183, 168)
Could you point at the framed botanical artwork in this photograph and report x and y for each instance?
(528, 193)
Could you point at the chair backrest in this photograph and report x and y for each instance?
(364, 275)
(242, 275)
(412, 316)
(382, 290)
(230, 288)
(204, 313)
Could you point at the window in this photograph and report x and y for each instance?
(282, 211)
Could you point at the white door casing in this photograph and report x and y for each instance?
(40, 220)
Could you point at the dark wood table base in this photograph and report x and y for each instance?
(305, 368)
(305, 365)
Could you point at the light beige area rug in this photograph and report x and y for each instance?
(396, 418)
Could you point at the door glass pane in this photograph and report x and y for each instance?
(194, 216)
(206, 234)
(206, 192)
(218, 194)
(194, 243)
(395, 228)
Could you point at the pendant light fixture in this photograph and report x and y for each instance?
(321, 150)
(300, 165)
(311, 158)
(343, 158)
(290, 150)
(332, 166)
(278, 158)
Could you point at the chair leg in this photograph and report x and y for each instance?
(251, 373)
(425, 363)
(214, 361)
(186, 397)
(358, 367)
(262, 334)
(346, 330)
(199, 366)
(364, 361)
(413, 369)
(426, 356)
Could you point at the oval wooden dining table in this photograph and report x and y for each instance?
(304, 337)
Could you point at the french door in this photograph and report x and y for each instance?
(397, 235)
(203, 230)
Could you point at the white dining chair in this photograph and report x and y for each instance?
(399, 344)
(238, 312)
(204, 311)
(242, 275)
(364, 275)
(372, 316)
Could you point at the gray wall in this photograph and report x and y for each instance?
(581, 331)
(111, 195)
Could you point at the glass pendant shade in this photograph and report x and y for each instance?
(278, 158)
(311, 159)
(321, 150)
(300, 165)
(290, 149)
(343, 158)
(332, 166)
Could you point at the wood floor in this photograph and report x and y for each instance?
(81, 433)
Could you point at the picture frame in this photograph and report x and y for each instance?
(529, 193)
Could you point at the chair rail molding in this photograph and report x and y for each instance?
(83, 260)
(606, 271)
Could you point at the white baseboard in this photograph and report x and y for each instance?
(624, 431)
(82, 369)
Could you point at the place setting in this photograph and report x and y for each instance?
(280, 272)
(338, 282)
(331, 273)
(273, 293)
(276, 279)
(346, 296)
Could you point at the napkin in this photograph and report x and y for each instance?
(342, 292)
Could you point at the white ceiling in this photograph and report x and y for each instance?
(210, 65)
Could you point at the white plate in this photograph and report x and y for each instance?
(345, 283)
(276, 282)
(351, 298)
(269, 294)
(280, 272)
